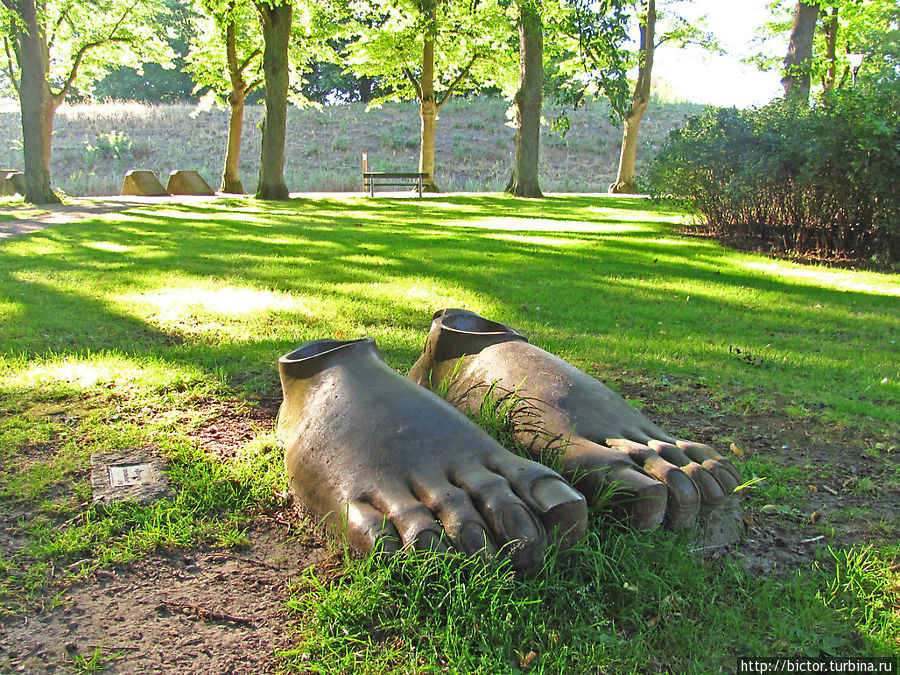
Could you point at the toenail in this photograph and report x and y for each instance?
(519, 524)
(428, 541)
(549, 492)
(473, 538)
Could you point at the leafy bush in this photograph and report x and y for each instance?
(820, 179)
(108, 147)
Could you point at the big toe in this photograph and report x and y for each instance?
(603, 474)
(513, 526)
(561, 509)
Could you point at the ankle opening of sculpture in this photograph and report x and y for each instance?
(318, 348)
(464, 321)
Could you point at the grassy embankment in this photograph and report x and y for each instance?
(95, 144)
(119, 332)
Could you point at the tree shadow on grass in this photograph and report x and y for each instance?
(390, 263)
(157, 283)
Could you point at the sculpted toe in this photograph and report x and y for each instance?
(702, 454)
(563, 510)
(712, 496)
(513, 526)
(368, 529)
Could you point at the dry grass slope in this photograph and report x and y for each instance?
(95, 144)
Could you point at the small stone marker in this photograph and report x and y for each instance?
(129, 475)
(188, 183)
(12, 182)
(143, 184)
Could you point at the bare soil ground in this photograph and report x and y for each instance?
(202, 611)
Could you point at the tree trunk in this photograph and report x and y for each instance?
(365, 89)
(625, 182)
(524, 180)
(799, 57)
(276, 29)
(831, 31)
(37, 105)
(428, 110)
(231, 181)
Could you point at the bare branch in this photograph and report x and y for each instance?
(51, 40)
(122, 18)
(417, 88)
(76, 64)
(10, 67)
(61, 94)
(249, 60)
(455, 83)
(254, 84)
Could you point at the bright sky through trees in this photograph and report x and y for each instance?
(696, 75)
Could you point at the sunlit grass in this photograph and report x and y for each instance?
(115, 332)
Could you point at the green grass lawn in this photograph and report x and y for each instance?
(116, 331)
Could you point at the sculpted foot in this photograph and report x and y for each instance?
(598, 437)
(388, 463)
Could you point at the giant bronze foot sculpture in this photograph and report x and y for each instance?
(596, 438)
(388, 463)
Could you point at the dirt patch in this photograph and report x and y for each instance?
(224, 427)
(202, 611)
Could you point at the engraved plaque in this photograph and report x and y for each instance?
(125, 475)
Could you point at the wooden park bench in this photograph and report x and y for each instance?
(389, 178)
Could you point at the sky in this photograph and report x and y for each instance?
(696, 75)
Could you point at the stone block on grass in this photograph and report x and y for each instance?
(188, 183)
(136, 475)
(143, 184)
(12, 182)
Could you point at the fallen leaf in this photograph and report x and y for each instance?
(736, 450)
(525, 661)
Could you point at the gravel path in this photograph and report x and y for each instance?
(77, 208)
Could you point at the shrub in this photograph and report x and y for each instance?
(820, 179)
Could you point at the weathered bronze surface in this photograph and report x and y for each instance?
(592, 435)
(380, 459)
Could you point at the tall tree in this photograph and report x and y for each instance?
(655, 29)
(527, 101)
(70, 43)
(427, 50)
(625, 182)
(227, 58)
(843, 27)
(275, 20)
(798, 62)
